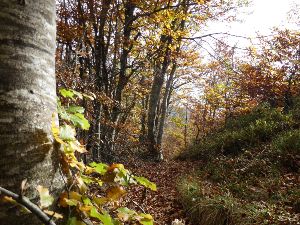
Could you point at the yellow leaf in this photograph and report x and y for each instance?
(114, 166)
(75, 145)
(55, 130)
(115, 193)
(54, 214)
(65, 197)
(89, 170)
(85, 208)
(8, 200)
(45, 198)
(82, 187)
(100, 200)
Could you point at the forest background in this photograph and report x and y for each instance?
(156, 84)
(171, 82)
(142, 60)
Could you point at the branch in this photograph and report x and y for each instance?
(212, 34)
(29, 205)
(161, 9)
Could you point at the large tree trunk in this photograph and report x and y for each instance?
(158, 81)
(27, 100)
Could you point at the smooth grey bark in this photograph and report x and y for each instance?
(164, 108)
(27, 101)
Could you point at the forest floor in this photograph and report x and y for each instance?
(164, 204)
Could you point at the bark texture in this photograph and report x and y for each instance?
(27, 100)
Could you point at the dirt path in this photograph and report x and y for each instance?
(164, 204)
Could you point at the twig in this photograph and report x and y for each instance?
(29, 205)
(140, 207)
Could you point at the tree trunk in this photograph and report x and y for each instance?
(164, 109)
(158, 81)
(143, 132)
(27, 100)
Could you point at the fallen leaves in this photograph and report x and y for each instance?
(163, 204)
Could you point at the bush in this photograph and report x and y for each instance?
(287, 146)
(242, 132)
(288, 143)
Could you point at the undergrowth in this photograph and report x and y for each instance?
(240, 133)
(250, 173)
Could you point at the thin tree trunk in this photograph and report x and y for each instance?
(185, 126)
(27, 100)
(144, 119)
(164, 109)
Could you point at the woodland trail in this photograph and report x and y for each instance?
(164, 205)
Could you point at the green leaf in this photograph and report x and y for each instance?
(75, 109)
(126, 214)
(86, 200)
(87, 179)
(147, 219)
(71, 202)
(67, 93)
(74, 221)
(100, 168)
(45, 198)
(63, 113)
(145, 182)
(124, 177)
(105, 218)
(67, 133)
(79, 120)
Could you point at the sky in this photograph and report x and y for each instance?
(266, 14)
(260, 16)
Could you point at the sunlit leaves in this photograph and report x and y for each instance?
(75, 109)
(112, 179)
(126, 214)
(146, 219)
(73, 113)
(67, 133)
(45, 198)
(105, 218)
(100, 168)
(67, 93)
(80, 121)
(115, 193)
(55, 132)
(69, 199)
(145, 182)
(100, 201)
(81, 184)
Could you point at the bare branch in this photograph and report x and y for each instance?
(29, 205)
(216, 33)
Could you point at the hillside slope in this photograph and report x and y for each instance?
(250, 172)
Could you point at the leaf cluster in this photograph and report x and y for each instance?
(110, 181)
